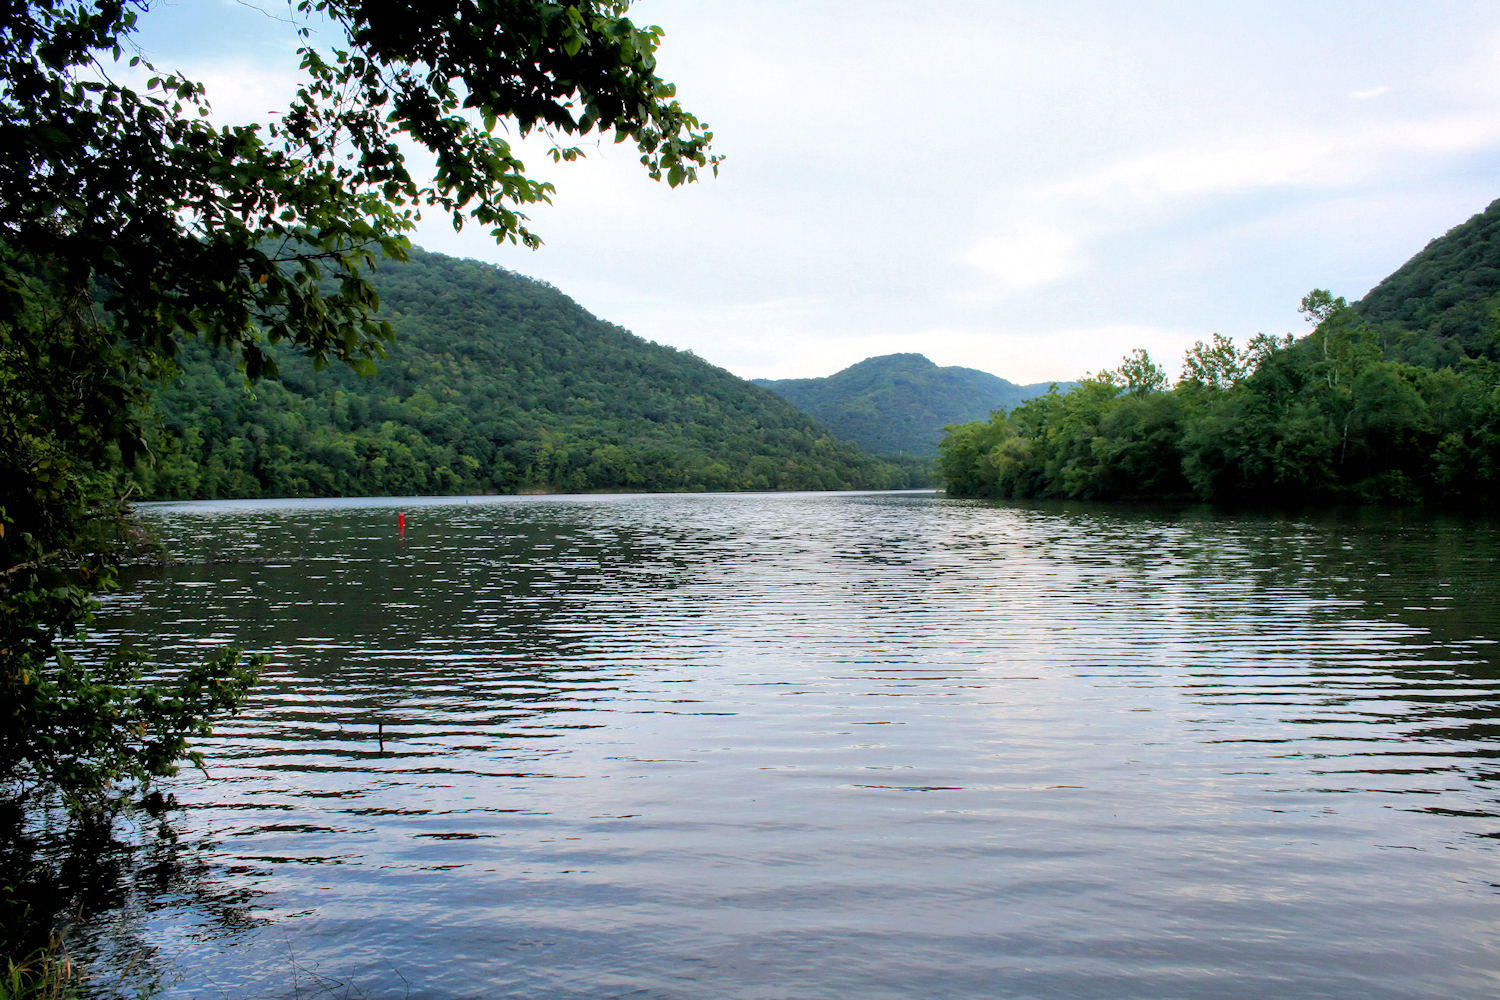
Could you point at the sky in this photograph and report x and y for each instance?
(1028, 189)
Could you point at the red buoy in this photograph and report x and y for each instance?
(401, 523)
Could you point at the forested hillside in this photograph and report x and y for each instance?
(1394, 399)
(899, 404)
(1444, 304)
(495, 383)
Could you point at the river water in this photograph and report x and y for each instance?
(821, 745)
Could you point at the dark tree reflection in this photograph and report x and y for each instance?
(97, 885)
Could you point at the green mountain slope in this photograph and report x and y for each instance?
(1444, 304)
(899, 404)
(496, 383)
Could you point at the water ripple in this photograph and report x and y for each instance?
(831, 745)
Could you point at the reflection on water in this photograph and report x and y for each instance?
(831, 745)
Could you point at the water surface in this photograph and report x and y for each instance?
(828, 745)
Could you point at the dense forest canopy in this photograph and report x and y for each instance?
(898, 404)
(495, 383)
(1443, 305)
(1394, 399)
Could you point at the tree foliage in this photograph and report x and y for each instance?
(1139, 375)
(1395, 398)
(1330, 418)
(252, 235)
(1217, 365)
(132, 224)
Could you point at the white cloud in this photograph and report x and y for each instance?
(1027, 256)
(1473, 77)
(242, 91)
(1291, 159)
(1023, 189)
(790, 339)
(1068, 353)
(1045, 234)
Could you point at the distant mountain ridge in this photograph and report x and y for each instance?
(898, 404)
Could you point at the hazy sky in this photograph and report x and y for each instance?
(1029, 189)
